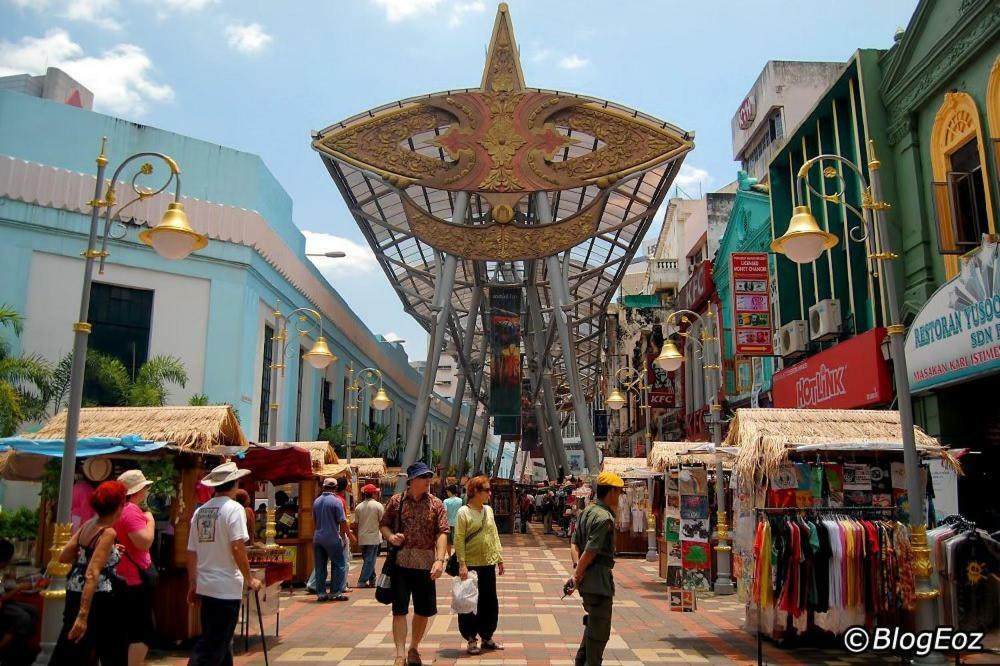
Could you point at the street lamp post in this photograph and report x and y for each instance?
(173, 238)
(303, 321)
(367, 378)
(633, 381)
(803, 243)
(671, 359)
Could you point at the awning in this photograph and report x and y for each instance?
(86, 447)
(278, 464)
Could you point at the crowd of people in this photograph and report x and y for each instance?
(108, 610)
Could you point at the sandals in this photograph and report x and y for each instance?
(413, 658)
(400, 661)
(339, 597)
(492, 645)
(474, 647)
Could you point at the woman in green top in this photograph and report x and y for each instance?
(477, 547)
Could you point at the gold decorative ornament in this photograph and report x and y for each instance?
(503, 242)
(82, 327)
(921, 553)
(504, 137)
(830, 172)
(895, 329)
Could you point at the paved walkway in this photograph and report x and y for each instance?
(536, 626)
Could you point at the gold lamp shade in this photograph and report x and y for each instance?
(381, 401)
(670, 358)
(320, 355)
(615, 400)
(804, 241)
(173, 237)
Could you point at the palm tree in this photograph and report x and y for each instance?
(112, 378)
(24, 380)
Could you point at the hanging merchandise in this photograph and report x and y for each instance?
(965, 566)
(631, 519)
(672, 530)
(829, 569)
(695, 528)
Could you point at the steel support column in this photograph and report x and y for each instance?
(477, 467)
(546, 441)
(499, 461)
(441, 309)
(466, 352)
(561, 299)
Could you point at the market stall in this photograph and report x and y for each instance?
(835, 472)
(503, 503)
(635, 507)
(196, 440)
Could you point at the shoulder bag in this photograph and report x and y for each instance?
(452, 567)
(149, 576)
(383, 587)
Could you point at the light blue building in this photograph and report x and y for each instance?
(213, 310)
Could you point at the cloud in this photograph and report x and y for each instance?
(358, 258)
(119, 77)
(247, 38)
(187, 5)
(541, 55)
(402, 10)
(691, 178)
(461, 9)
(573, 61)
(95, 12)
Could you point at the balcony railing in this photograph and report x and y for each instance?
(664, 274)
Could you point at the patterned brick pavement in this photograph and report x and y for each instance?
(536, 627)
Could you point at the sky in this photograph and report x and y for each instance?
(259, 75)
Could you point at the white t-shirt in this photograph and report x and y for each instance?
(368, 514)
(214, 527)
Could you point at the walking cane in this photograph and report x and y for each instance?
(260, 621)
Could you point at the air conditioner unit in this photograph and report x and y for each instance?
(824, 320)
(794, 338)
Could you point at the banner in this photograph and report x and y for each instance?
(600, 421)
(849, 375)
(752, 331)
(529, 424)
(505, 365)
(662, 393)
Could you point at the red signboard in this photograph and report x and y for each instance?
(849, 375)
(752, 333)
(747, 112)
(661, 385)
(697, 289)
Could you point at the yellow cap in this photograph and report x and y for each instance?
(610, 479)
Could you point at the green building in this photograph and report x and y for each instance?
(930, 106)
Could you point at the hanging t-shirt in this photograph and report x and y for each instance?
(214, 527)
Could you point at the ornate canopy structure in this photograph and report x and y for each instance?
(514, 186)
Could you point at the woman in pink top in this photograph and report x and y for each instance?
(135, 530)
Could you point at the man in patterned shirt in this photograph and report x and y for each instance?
(416, 522)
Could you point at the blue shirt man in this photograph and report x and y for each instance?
(328, 543)
(452, 505)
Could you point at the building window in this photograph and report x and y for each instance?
(265, 384)
(121, 318)
(758, 156)
(298, 396)
(961, 190)
(327, 403)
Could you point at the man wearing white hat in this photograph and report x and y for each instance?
(218, 566)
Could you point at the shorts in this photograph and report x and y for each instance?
(418, 584)
(139, 618)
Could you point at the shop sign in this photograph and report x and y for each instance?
(752, 334)
(747, 112)
(662, 393)
(956, 336)
(697, 289)
(850, 375)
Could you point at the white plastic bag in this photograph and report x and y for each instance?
(465, 594)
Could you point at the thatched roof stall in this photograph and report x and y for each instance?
(621, 466)
(333, 470)
(369, 468)
(190, 429)
(764, 438)
(672, 454)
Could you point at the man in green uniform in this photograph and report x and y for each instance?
(593, 552)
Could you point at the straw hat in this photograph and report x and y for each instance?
(97, 469)
(134, 481)
(224, 473)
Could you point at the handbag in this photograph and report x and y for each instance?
(149, 576)
(451, 568)
(383, 586)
